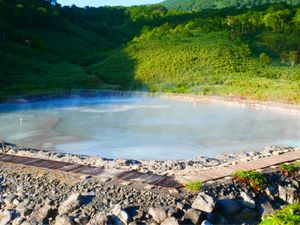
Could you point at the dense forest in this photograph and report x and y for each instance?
(227, 49)
(198, 5)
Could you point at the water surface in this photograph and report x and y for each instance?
(144, 127)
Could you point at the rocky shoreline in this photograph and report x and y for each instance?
(161, 167)
(31, 196)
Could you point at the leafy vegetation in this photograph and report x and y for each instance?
(254, 179)
(252, 52)
(197, 5)
(289, 215)
(290, 169)
(194, 186)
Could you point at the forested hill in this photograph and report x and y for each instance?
(198, 5)
(250, 52)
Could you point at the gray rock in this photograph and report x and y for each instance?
(205, 222)
(248, 200)
(288, 194)
(271, 192)
(17, 221)
(265, 208)
(63, 220)
(204, 203)
(194, 215)
(158, 214)
(228, 206)
(170, 221)
(25, 223)
(42, 213)
(98, 219)
(9, 200)
(72, 203)
(5, 217)
(138, 215)
(23, 208)
(121, 214)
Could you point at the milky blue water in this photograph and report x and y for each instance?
(144, 127)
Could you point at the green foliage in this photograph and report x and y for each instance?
(264, 58)
(289, 215)
(197, 5)
(254, 179)
(226, 52)
(290, 169)
(194, 186)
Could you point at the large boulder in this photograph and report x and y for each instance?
(98, 219)
(288, 194)
(194, 215)
(158, 214)
(265, 208)
(72, 203)
(247, 200)
(204, 203)
(228, 206)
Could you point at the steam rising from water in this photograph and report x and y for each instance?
(144, 127)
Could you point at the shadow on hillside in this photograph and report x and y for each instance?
(117, 69)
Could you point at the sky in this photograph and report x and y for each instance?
(96, 3)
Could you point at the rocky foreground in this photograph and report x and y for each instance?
(35, 196)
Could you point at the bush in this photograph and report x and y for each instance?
(289, 169)
(289, 215)
(194, 186)
(254, 179)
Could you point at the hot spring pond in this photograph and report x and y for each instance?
(144, 127)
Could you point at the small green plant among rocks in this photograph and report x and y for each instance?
(254, 179)
(290, 169)
(289, 215)
(194, 186)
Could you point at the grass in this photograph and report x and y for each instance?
(254, 179)
(289, 215)
(203, 64)
(194, 186)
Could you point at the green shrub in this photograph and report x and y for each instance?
(290, 169)
(289, 215)
(194, 186)
(254, 179)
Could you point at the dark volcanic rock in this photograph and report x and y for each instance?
(228, 206)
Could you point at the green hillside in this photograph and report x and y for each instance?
(244, 52)
(198, 5)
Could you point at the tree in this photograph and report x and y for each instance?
(284, 56)
(277, 20)
(293, 57)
